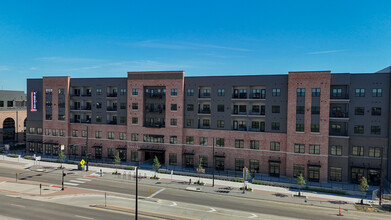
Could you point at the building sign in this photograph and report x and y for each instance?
(33, 101)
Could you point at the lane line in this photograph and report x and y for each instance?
(151, 196)
(20, 206)
(79, 216)
(83, 179)
(253, 216)
(212, 210)
(71, 184)
(76, 181)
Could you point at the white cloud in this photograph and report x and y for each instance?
(326, 51)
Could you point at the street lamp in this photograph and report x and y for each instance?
(214, 165)
(87, 154)
(136, 214)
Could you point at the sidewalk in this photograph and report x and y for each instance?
(221, 187)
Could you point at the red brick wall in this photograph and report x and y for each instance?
(19, 116)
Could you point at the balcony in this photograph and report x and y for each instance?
(154, 96)
(339, 98)
(112, 122)
(339, 115)
(204, 111)
(204, 96)
(240, 128)
(239, 113)
(80, 108)
(154, 110)
(111, 109)
(75, 94)
(262, 114)
(257, 96)
(338, 133)
(154, 125)
(239, 96)
(256, 130)
(87, 95)
(112, 95)
(203, 126)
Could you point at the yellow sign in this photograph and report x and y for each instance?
(82, 162)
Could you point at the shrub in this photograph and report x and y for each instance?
(116, 173)
(154, 177)
(13, 155)
(129, 168)
(60, 167)
(1, 151)
(332, 191)
(238, 180)
(162, 171)
(28, 158)
(247, 188)
(199, 183)
(257, 182)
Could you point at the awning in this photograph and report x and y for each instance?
(97, 146)
(221, 155)
(122, 147)
(35, 141)
(275, 160)
(188, 152)
(152, 149)
(313, 165)
(50, 142)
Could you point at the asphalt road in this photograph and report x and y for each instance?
(36, 210)
(199, 198)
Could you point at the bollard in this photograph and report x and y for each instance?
(40, 187)
(340, 214)
(150, 191)
(105, 199)
(101, 173)
(16, 177)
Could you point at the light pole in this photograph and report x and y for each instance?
(136, 214)
(381, 177)
(213, 170)
(87, 153)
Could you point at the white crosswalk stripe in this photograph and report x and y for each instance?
(71, 184)
(76, 181)
(81, 179)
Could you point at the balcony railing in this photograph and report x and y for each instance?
(112, 94)
(339, 114)
(204, 95)
(80, 107)
(239, 113)
(257, 96)
(154, 96)
(240, 128)
(154, 110)
(342, 96)
(204, 111)
(87, 94)
(336, 133)
(256, 113)
(111, 109)
(256, 129)
(112, 122)
(154, 125)
(240, 96)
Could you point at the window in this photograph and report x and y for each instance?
(357, 174)
(375, 130)
(220, 123)
(98, 118)
(122, 119)
(335, 128)
(189, 122)
(377, 92)
(337, 92)
(204, 160)
(300, 110)
(300, 92)
(173, 107)
(274, 169)
(275, 126)
(190, 107)
(98, 105)
(134, 120)
(54, 132)
(206, 92)
(48, 91)
(123, 91)
(254, 166)
(134, 137)
(189, 140)
(61, 91)
(203, 141)
(376, 111)
(299, 148)
(336, 150)
(48, 117)
(134, 91)
(335, 174)
(315, 110)
(239, 143)
(275, 146)
(172, 159)
(173, 122)
(255, 109)
(206, 122)
(276, 92)
(254, 144)
(297, 170)
(173, 139)
(220, 142)
(98, 134)
(275, 109)
(32, 131)
(122, 136)
(374, 151)
(360, 92)
(189, 161)
(74, 133)
(255, 124)
(314, 128)
(359, 111)
(174, 92)
(110, 135)
(299, 127)
(316, 92)
(48, 104)
(99, 91)
(84, 133)
(358, 151)
(134, 156)
(1, 104)
(220, 108)
(190, 92)
(314, 149)
(220, 92)
(153, 138)
(359, 129)
(239, 164)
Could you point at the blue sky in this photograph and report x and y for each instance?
(110, 38)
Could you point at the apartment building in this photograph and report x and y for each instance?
(329, 127)
(13, 115)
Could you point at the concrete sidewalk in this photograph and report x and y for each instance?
(259, 191)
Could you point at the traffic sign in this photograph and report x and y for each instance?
(82, 162)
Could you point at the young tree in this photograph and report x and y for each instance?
(61, 157)
(200, 169)
(363, 187)
(116, 161)
(300, 181)
(156, 165)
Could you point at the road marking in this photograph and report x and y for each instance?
(212, 210)
(151, 196)
(79, 216)
(71, 184)
(83, 179)
(92, 176)
(253, 216)
(76, 181)
(20, 206)
(173, 204)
